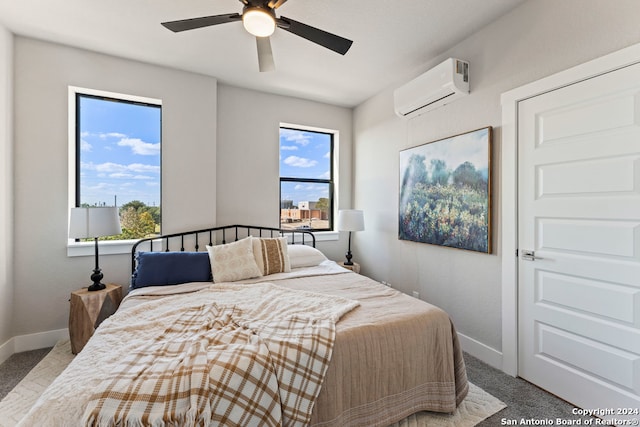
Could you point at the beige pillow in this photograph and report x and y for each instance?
(233, 261)
(271, 255)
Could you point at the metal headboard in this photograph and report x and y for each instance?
(214, 236)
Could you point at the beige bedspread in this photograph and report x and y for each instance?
(393, 355)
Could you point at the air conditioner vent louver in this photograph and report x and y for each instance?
(439, 86)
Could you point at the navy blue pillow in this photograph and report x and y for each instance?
(170, 268)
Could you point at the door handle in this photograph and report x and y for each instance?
(528, 255)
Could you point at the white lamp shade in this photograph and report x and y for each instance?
(94, 222)
(350, 220)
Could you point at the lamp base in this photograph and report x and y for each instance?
(349, 256)
(96, 287)
(96, 277)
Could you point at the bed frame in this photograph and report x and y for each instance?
(216, 235)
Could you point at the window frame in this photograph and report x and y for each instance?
(76, 248)
(332, 181)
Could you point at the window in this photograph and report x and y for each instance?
(117, 159)
(306, 179)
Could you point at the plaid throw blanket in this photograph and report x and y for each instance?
(214, 367)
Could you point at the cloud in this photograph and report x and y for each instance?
(300, 162)
(140, 147)
(117, 168)
(120, 175)
(99, 186)
(112, 135)
(288, 147)
(295, 136)
(141, 168)
(104, 167)
(85, 146)
(310, 187)
(103, 135)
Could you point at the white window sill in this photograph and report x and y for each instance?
(321, 236)
(325, 236)
(105, 247)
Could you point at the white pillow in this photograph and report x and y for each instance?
(271, 255)
(304, 256)
(233, 261)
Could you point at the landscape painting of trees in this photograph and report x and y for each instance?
(445, 192)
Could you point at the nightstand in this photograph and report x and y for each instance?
(88, 310)
(355, 267)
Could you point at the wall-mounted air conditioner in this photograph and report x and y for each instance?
(440, 85)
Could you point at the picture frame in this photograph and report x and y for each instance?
(445, 192)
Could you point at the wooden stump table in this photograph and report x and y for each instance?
(355, 267)
(88, 309)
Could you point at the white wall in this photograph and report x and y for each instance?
(6, 186)
(539, 38)
(43, 275)
(248, 155)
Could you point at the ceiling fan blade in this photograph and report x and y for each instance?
(330, 41)
(274, 4)
(205, 21)
(265, 55)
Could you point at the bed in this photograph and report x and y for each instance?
(203, 338)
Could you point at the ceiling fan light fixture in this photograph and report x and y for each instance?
(258, 22)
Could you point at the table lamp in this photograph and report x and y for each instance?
(85, 223)
(350, 220)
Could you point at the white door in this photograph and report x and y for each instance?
(579, 211)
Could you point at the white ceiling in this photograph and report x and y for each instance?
(392, 39)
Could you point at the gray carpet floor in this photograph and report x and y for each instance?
(523, 399)
(17, 367)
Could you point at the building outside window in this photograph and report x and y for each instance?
(306, 179)
(118, 160)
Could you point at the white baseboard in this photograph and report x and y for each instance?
(31, 342)
(6, 350)
(488, 355)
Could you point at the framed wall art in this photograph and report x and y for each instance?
(445, 192)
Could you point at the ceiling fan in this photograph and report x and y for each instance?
(259, 19)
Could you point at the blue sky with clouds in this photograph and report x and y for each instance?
(304, 154)
(119, 152)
